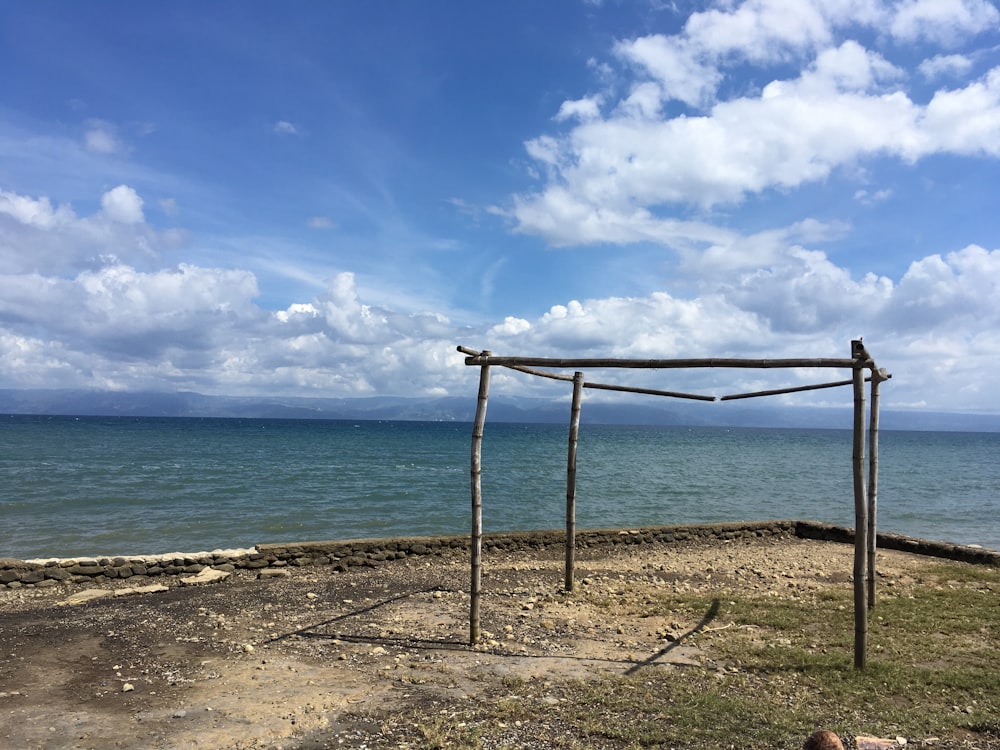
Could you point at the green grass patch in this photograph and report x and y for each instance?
(776, 668)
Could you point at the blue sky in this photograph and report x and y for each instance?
(325, 199)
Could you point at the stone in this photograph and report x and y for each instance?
(81, 597)
(33, 576)
(151, 589)
(865, 742)
(207, 575)
(274, 573)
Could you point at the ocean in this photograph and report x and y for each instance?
(95, 486)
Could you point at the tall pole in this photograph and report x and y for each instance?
(860, 509)
(574, 433)
(477, 501)
(877, 377)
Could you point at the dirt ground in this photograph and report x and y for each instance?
(315, 658)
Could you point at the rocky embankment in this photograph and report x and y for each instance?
(343, 555)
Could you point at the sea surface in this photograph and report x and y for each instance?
(82, 486)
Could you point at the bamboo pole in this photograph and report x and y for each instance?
(876, 379)
(790, 389)
(655, 364)
(574, 434)
(860, 511)
(477, 502)
(606, 387)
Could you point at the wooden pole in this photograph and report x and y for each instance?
(477, 502)
(877, 378)
(660, 364)
(860, 511)
(574, 433)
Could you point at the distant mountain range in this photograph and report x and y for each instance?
(501, 409)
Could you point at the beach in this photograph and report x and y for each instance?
(311, 657)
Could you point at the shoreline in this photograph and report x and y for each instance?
(345, 554)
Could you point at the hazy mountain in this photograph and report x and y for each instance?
(501, 409)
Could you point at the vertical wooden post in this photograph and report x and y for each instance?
(877, 378)
(860, 509)
(477, 500)
(574, 432)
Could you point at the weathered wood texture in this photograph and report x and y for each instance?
(478, 428)
(574, 435)
(860, 517)
(655, 364)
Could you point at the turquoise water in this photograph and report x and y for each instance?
(105, 486)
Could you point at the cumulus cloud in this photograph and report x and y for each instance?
(942, 21)
(123, 204)
(941, 66)
(203, 328)
(638, 161)
(583, 109)
(34, 212)
(36, 236)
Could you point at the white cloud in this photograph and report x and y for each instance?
(583, 109)
(34, 212)
(942, 21)
(307, 310)
(123, 204)
(202, 328)
(101, 137)
(760, 30)
(869, 198)
(283, 127)
(941, 66)
(629, 167)
(678, 69)
(963, 121)
(36, 237)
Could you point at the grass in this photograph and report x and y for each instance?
(775, 669)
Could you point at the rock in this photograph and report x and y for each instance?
(206, 575)
(85, 596)
(274, 573)
(864, 742)
(151, 589)
(128, 687)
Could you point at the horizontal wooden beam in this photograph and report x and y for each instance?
(663, 364)
(791, 389)
(605, 387)
(649, 391)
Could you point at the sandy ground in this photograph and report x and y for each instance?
(315, 658)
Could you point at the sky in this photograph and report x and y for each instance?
(326, 199)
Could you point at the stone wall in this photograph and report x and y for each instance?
(343, 555)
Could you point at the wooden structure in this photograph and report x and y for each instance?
(864, 487)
